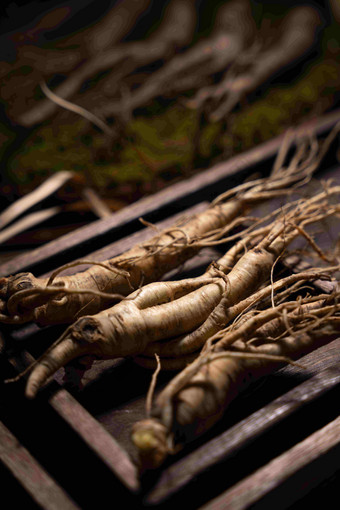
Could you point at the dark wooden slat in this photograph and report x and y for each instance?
(44, 490)
(291, 463)
(89, 429)
(96, 437)
(202, 182)
(224, 446)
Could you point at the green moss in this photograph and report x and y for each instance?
(152, 145)
(209, 139)
(48, 150)
(283, 106)
(164, 139)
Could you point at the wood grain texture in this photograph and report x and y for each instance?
(293, 462)
(97, 438)
(44, 490)
(89, 429)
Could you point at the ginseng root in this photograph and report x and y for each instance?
(198, 63)
(296, 35)
(120, 60)
(24, 298)
(196, 308)
(199, 395)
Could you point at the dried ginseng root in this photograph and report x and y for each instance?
(233, 31)
(175, 31)
(260, 343)
(58, 299)
(296, 35)
(180, 316)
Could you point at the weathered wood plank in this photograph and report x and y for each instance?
(97, 438)
(43, 489)
(90, 430)
(277, 472)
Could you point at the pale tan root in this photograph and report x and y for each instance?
(199, 61)
(246, 323)
(293, 344)
(295, 35)
(124, 329)
(47, 188)
(182, 347)
(106, 54)
(140, 263)
(195, 399)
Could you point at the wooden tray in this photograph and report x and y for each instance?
(277, 447)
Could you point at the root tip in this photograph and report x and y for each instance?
(150, 438)
(31, 391)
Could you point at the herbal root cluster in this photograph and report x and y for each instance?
(239, 320)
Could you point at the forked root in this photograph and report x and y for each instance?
(124, 329)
